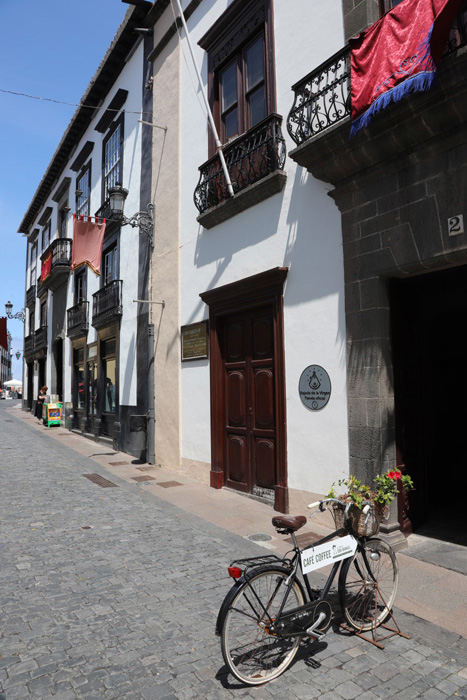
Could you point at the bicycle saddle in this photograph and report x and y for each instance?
(292, 523)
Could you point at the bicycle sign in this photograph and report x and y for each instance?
(328, 553)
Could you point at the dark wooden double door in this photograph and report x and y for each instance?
(249, 388)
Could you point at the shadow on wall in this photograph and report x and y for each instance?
(313, 251)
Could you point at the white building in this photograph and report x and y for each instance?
(85, 337)
(260, 274)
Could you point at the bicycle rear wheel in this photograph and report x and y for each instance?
(368, 585)
(253, 654)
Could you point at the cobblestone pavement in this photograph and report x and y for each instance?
(113, 593)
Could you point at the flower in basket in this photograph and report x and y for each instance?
(381, 495)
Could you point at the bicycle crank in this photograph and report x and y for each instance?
(312, 618)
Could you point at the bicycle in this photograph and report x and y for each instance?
(268, 611)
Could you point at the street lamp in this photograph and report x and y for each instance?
(143, 219)
(20, 315)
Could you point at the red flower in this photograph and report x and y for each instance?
(395, 475)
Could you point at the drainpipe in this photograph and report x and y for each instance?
(206, 102)
(151, 445)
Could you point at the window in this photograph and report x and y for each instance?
(83, 192)
(33, 259)
(62, 221)
(109, 370)
(43, 311)
(109, 265)
(80, 287)
(46, 235)
(241, 80)
(112, 157)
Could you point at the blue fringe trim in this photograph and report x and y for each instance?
(417, 83)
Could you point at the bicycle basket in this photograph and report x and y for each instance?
(364, 525)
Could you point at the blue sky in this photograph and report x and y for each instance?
(48, 48)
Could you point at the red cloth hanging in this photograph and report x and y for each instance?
(46, 266)
(88, 237)
(398, 55)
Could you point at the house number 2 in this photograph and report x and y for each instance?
(456, 225)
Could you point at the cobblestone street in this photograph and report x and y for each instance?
(113, 593)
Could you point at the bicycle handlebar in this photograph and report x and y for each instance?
(365, 508)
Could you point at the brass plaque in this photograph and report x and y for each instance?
(195, 341)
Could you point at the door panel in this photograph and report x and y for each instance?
(249, 423)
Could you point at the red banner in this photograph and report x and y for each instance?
(398, 55)
(46, 266)
(88, 237)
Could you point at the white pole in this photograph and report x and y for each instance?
(206, 102)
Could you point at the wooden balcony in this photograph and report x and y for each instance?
(107, 305)
(77, 320)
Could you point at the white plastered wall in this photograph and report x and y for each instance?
(299, 228)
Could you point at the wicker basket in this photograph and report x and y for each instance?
(363, 524)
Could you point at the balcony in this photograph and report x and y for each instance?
(31, 296)
(60, 248)
(255, 162)
(40, 340)
(319, 121)
(28, 345)
(77, 320)
(107, 305)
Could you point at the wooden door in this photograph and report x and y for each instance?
(249, 389)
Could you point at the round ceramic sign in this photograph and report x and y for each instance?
(314, 387)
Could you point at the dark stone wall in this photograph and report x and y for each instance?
(358, 15)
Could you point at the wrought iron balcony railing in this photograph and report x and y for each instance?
(60, 248)
(40, 338)
(107, 304)
(322, 98)
(77, 320)
(249, 158)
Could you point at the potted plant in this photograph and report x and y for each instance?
(379, 498)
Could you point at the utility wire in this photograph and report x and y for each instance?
(70, 104)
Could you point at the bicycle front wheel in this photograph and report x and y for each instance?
(368, 585)
(252, 652)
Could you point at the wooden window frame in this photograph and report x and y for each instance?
(119, 122)
(228, 38)
(83, 203)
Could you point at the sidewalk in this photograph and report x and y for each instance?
(431, 592)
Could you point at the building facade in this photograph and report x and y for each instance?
(86, 334)
(5, 352)
(399, 186)
(258, 304)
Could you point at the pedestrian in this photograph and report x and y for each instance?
(40, 402)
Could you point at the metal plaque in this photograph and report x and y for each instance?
(314, 387)
(195, 341)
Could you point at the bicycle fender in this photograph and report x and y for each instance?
(226, 603)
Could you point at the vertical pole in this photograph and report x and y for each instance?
(150, 446)
(206, 102)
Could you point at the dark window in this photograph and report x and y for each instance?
(43, 319)
(80, 286)
(112, 156)
(33, 259)
(46, 235)
(241, 77)
(83, 192)
(109, 369)
(62, 221)
(109, 265)
(78, 379)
